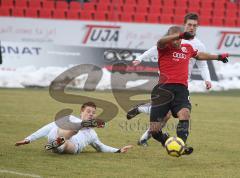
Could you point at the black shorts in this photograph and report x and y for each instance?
(168, 97)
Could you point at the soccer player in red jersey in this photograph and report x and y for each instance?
(171, 93)
(191, 21)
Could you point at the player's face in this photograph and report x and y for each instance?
(88, 113)
(191, 26)
(176, 43)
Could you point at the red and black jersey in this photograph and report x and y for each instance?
(173, 63)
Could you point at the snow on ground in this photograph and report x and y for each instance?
(229, 76)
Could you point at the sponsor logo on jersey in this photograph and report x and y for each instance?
(179, 56)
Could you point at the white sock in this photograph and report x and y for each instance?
(146, 108)
(146, 136)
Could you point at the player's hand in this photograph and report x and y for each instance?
(136, 62)
(186, 36)
(22, 142)
(208, 85)
(223, 57)
(125, 148)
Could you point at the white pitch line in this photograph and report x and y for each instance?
(19, 173)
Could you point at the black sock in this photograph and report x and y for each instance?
(160, 136)
(182, 129)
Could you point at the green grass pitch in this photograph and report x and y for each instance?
(215, 131)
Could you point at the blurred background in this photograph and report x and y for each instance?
(40, 39)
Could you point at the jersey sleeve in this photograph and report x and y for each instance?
(42, 132)
(203, 67)
(194, 53)
(201, 47)
(152, 52)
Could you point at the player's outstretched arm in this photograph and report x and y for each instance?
(152, 52)
(203, 67)
(162, 42)
(22, 142)
(42, 132)
(206, 56)
(100, 147)
(168, 38)
(208, 85)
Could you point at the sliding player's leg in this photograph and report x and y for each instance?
(60, 141)
(68, 148)
(65, 141)
(73, 145)
(68, 126)
(54, 140)
(67, 134)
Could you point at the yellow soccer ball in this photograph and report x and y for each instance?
(174, 146)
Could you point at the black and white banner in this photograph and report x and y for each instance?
(19, 54)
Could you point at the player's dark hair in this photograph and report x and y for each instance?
(90, 104)
(190, 16)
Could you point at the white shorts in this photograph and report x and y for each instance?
(77, 141)
(52, 134)
(74, 139)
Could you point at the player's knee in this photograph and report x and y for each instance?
(184, 114)
(152, 130)
(154, 127)
(70, 148)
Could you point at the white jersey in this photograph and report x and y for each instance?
(197, 45)
(202, 65)
(84, 137)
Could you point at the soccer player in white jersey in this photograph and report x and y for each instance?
(190, 25)
(73, 141)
